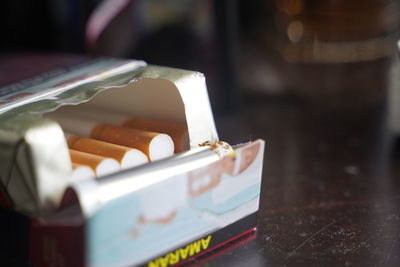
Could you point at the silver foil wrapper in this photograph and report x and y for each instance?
(35, 168)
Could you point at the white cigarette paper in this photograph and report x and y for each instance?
(100, 165)
(81, 172)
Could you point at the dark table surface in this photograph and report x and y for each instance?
(331, 183)
(331, 187)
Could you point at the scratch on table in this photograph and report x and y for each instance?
(308, 239)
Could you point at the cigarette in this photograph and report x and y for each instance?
(155, 145)
(177, 131)
(81, 172)
(126, 156)
(100, 165)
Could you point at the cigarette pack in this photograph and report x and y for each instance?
(161, 213)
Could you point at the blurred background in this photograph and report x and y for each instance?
(315, 78)
(333, 53)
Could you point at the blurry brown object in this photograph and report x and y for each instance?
(336, 52)
(337, 30)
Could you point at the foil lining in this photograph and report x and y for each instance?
(93, 194)
(34, 160)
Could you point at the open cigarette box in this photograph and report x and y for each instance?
(161, 212)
